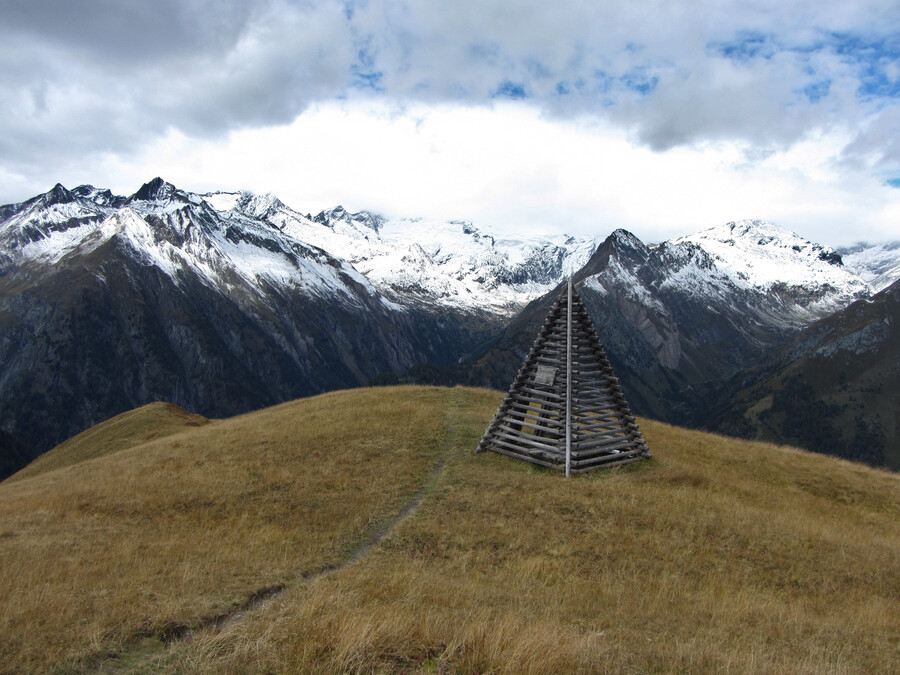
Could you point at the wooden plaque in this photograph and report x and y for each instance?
(545, 375)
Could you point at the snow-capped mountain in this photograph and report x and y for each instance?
(225, 236)
(413, 260)
(178, 233)
(760, 256)
(877, 264)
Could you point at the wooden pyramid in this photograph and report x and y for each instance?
(565, 409)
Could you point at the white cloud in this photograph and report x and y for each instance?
(509, 167)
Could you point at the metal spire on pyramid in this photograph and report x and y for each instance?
(565, 409)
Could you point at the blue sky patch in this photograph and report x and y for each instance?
(893, 182)
(508, 89)
(364, 73)
(816, 91)
(640, 81)
(745, 47)
(872, 60)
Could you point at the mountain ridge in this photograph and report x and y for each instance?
(678, 315)
(227, 301)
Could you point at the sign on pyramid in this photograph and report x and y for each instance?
(565, 409)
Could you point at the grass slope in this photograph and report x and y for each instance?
(137, 544)
(147, 423)
(718, 555)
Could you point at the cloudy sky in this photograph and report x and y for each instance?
(580, 116)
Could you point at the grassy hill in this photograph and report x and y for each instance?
(147, 423)
(718, 555)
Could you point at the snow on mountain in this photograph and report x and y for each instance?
(755, 272)
(753, 254)
(414, 260)
(218, 235)
(877, 264)
(177, 232)
(410, 261)
(46, 216)
(465, 267)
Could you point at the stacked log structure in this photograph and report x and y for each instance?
(566, 409)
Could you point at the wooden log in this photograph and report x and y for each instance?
(589, 428)
(598, 403)
(549, 455)
(548, 394)
(532, 404)
(539, 415)
(552, 421)
(542, 413)
(605, 465)
(536, 398)
(605, 443)
(527, 458)
(511, 435)
(511, 422)
(602, 457)
(594, 403)
(585, 455)
(605, 432)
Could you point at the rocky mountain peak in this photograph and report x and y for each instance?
(154, 190)
(103, 197)
(339, 214)
(620, 244)
(762, 255)
(57, 195)
(624, 239)
(260, 206)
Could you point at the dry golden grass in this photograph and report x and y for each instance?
(717, 556)
(144, 424)
(165, 534)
